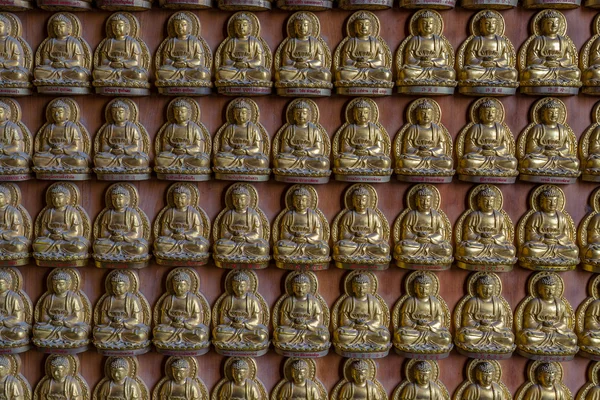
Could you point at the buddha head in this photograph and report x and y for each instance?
(363, 25)
(119, 369)
(119, 111)
(549, 199)
(359, 371)
(360, 199)
(422, 286)
(240, 198)
(361, 284)
(488, 111)
(484, 373)
(426, 23)
(5, 26)
(180, 368)
(486, 200)
(59, 196)
(239, 371)
(60, 112)
(5, 366)
(120, 283)
(362, 112)
(546, 287)
(550, 112)
(59, 368)
(550, 22)
(424, 112)
(61, 282)
(5, 196)
(300, 285)
(5, 111)
(302, 25)
(301, 113)
(241, 112)
(242, 25)
(120, 197)
(485, 286)
(181, 111)
(488, 24)
(300, 199)
(182, 196)
(61, 26)
(423, 200)
(6, 281)
(422, 372)
(299, 371)
(240, 283)
(181, 24)
(181, 283)
(545, 374)
(119, 25)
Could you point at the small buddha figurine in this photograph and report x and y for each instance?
(121, 381)
(484, 233)
(422, 319)
(485, 147)
(181, 381)
(122, 316)
(547, 147)
(486, 60)
(483, 382)
(240, 317)
(301, 318)
(423, 147)
(16, 143)
(360, 382)
(301, 147)
(360, 318)
(122, 59)
(183, 143)
(361, 146)
(591, 389)
(121, 230)
(546, 233)
(587, 320)
(62, 229)
(544, 320)
(422, 232)
(62, 380)
(360, 231)
(363, 60)
(62, 145)
(299, 382)
(243, 60)
(589, 59)
(15, 227)
(589, 148)
(241, 231)
(63, 61)
(241, 146)
(548, 59)
(421, 382)
(122, 144)
(63, 315)
(13, 385)
(182, 316)
(588, 235)
(545, 381)
(301, 232)
(182, 228)
(239, 381)
(483, 319)
(16, 59)
(16, 313)
(183, 61)
(425, 59)
(303, 59)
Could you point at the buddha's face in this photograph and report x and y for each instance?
(239, 375)
(181, 287)
(181, 27)
(488, 114)
(300, 289)
(484, 378)
(426, 26)
(485, 291)
(547, 292)
(4, 28)
(549, 203)
(486, 203)
(362, 27)
(302, 27)
(299, 375)
(239, 288)
(3, 112)
(301, 202)
(488, 26)
(546, 378)
(424, 115)
(59, 114)
(422, 377)
(550, 115)
(179, 374)
(360, 202)
(118, 374)
(119, 114)
(360, 289)
(60, 286)
(550, 26)
(58, 372)
(181, 114)
(423, 202)
(362, 115)
(119, 288)
(422, 290)
(61, 29)
(3, 199)
(359, 375)
(241, 115)
(119, 200)
(4, 285)
(301, 115)
(240, 201)
(4, 370)
(181, 200)
(119, 27)
(58, 199)
(242, 27)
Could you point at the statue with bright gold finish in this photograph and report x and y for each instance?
(62, 380)
(591, 389)
(589, 148)
(360, 382)
(545, 321)
(589, 60)
(16, 313)
(239, 381)
(181, 381)
(121, 381)
(484, 382)
(422, 382)
(588, 235)
(16, 228)
(13, 385)
(299, 382)
(16, 59)
(16, 143)
(544, 382)
(587, 324)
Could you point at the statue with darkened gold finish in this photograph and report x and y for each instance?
(421, 382)
(360, 382)
(588, 235)
(16, 313)
(16, 143)
(299, 382)
(591, 389)
(544, 382)
(63, 315)
(484, 382)
(587, 321)
(13, 385)
(15, 227)
(16, 60)
(182, 316)
(62, 380)
(239, 381)
(121, 381)
(545, 321)
(589, 60)
(589, 148)
(181, 381)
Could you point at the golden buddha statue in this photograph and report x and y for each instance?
(546, 233)
(16, 60)
(360, 231)
(485, 147)
(484, 233)
(121, 230)
(544, 320)
(303, 59)
(62, 229)
(181, 381)
(422, 232)
(421, 382)
(241, 231)
(182, 228)
(15, 143)
(13, 385)
(483, 319)
(547, 147)
(301, 147)
(183, 61)
(16, 313)
(361, 146)
(181, 316)
(359, 383)
(484, 382)
(425, 59)
(122, 59)
(243, 60)
(589, 148)
(301, 320)
(239, 381)
(548, 59)
(183, 144)
(240, 317)
(241, 146)
(301, 232)
(423, 147)
(591, 389)
(588, 235)
(360, 318)
(363, 61)
(121, 381)
(122, 144)
(63, 61)
(122, 316)
(15, 227)
(587, 322)
(544, 382)
(62, 380)
(299, 382)
(63, 315)
(62, 145)
(589, 59)
(421, 319)
(486, 60)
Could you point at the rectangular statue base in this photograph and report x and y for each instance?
(185, 91)
(244, 91)
(122, 91)
(366, 4)
(65, 90)
(592, 90)
(124, 5)
(304, 92)
(302, 354)
(308, 5)
(485, 356)
(241, 353)
(15, 178)
(549, 90)
(589, 356)
(426, 90)
(541, 267)
(124, 352)
(372, 267)
(590, 268)
(484, 267)
(503, 180)
(364, 91)
(234, 265)
(313, 180)
(584, 177)
(182, 353)
(487, 90)
(54, 350)
(241, 177)
(559, 180)
(302, 267)
(14, 263)
(362, 178)
(546, 357)
(15, 5)
(494, 4)
(563, 4)
(62, 264)
(356, 354)
(15, 350)
(183, 177)
(423, 267)
(249, 5)
(422, 356)
(186, 4)
(434, 4)
(122, 177)
(57, 176)
(120, 264)
(9, 92)
(181, 263)
(424, 179)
